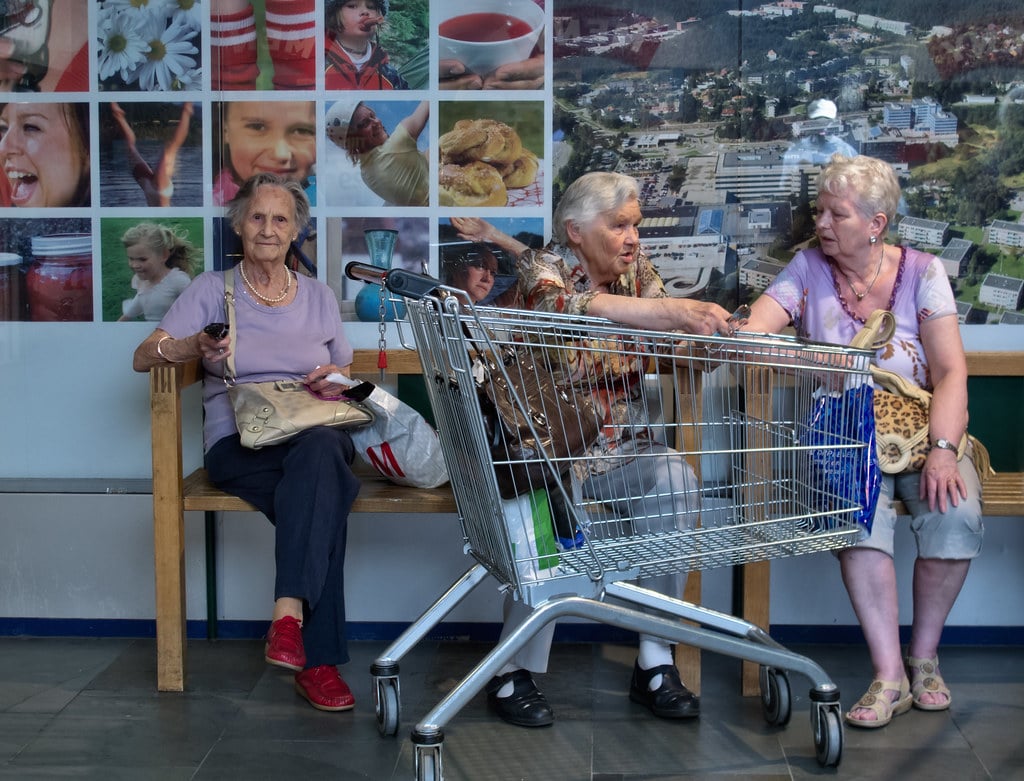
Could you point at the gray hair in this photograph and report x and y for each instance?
(589, 197)
(871, 182)
(239, 205)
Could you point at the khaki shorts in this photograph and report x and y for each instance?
(954, 534)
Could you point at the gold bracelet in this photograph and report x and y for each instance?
(161, 352)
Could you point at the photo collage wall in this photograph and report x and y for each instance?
(127, 126)
(448, 129)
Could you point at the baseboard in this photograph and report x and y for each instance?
(483, 632)
(794, 634)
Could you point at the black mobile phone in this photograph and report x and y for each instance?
(217, 330)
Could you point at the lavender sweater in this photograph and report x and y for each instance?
(271, 343)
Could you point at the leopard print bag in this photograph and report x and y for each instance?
(901, 424)
(901, 411)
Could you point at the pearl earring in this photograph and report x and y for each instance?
(873, 239)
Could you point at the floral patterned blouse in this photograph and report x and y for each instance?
(553, 280)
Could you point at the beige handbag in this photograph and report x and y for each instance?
(272, 412)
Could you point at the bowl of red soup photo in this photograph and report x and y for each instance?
(486, 34)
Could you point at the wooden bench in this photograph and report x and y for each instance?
(1003, 495)
(174, 494)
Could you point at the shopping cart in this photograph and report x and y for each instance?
(766, 482)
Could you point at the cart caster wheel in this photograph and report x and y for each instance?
(386, 705)
(828, 735)
(775, 696)
(428, 763)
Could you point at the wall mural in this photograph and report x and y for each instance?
(405, 119)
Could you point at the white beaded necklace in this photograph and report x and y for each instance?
(260, 296)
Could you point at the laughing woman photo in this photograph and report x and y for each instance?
(44, 151)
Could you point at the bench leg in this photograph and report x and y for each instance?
(688, 657)
(755, 583)
(169, 536)
(211, 574)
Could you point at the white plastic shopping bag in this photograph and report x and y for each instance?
(531, 532)
(399, 444)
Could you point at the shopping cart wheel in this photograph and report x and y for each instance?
(775, 700)
(827, 725)
(387, 705)
(427, 754)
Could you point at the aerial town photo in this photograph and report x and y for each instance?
(725, 111)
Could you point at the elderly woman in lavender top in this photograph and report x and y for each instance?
(287, 327)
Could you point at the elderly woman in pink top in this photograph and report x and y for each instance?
(827, 293)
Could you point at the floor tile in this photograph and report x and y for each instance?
(88, 709)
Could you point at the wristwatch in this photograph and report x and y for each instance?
(945, 444)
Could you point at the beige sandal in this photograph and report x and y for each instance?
(876, 701)
(925, 679)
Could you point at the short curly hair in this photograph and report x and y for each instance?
(871, 182)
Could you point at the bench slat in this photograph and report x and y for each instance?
(1003, 494)
(375, 496)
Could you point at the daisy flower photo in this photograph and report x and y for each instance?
(149, 45)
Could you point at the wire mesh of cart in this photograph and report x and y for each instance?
(589, 460)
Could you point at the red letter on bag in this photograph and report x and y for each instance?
(385, 463)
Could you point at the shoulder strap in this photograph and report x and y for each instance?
(229, 311)
(877, 331)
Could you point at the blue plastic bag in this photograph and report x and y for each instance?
(842, 459)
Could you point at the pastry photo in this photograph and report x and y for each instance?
(484, 161)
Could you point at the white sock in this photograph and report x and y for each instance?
(509, 687)
(654, 652)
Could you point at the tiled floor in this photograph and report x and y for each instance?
(88, 709)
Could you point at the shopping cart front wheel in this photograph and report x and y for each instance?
(775, 696)
(386, 704)
(827, 725)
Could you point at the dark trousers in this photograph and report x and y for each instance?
(306, 488)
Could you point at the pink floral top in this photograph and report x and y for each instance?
(806, 290)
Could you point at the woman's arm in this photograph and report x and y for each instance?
(662, 314)
(417, 120)
(478, 230)
(160, 347)
(947, 365)
(766, 316)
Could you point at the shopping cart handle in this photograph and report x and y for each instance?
(411, 285)
(404, 283)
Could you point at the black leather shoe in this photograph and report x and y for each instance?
(525, 706)
(671, 700)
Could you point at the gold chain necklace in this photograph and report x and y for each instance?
(871, 284)
(260, 296)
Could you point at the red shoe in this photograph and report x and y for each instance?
(284, 644)
(324, 689)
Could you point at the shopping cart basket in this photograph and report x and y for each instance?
(762, 482)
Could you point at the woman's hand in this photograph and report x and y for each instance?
(703, 317)
(472, 229)
(11, 70)
(482, 232)
(528, 74)
(213, 349)
(318, 383)
(941, 483)
(453, 75)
